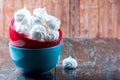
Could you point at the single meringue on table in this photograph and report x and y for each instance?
(38, 32)
(69, 63)
(39, 15)
(53, 22)
(51, 36)
(22, 16)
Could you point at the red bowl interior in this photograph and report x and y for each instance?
(20, 40)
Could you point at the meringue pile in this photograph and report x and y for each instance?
(38, 26)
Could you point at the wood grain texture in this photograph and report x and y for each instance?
(103, 18)
(29, 4)
(112, 17)
(93, 19)
(17, 5)
(79, 18)
(118, 19)
(65, 16)
(8, 15)
(47, 5)
(1, 19)
(74, 28)
(84, 18)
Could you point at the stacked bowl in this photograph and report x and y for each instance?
(33, 56)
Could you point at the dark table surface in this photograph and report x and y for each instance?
(98, 59)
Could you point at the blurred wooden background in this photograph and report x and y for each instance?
(80, 18)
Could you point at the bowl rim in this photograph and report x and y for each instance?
(47, 48)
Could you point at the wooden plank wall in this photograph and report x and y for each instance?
(79, 18)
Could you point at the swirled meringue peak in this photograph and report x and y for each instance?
(33, 21)
(22, 29)
(69, 63)
(51, 36)
(38, 32)
(22, 16)
(40, 14)
(53, 22)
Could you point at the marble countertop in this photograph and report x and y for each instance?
(98, 59)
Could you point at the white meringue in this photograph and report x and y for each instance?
(69, 63)
(23, 29)
(22, 16)
(21, 21)
(39, 26)
(53, 22)
(33, 21)
(38, 32)
(40, 15)
(53, 35)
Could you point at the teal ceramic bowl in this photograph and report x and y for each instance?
(35, 60)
